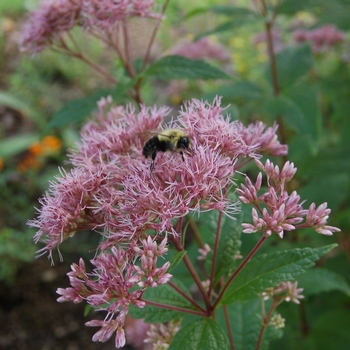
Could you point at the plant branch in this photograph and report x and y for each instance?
(191, 300)
(154, 34)
(215, 252)
(194, 275)
(265, 323)
(228, 326)
(240, 267)
(174, 308)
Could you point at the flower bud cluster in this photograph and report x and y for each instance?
(53, 18)
(114, 283)
(160, 336)
(285, 291)
(321, 38)
(275, 210)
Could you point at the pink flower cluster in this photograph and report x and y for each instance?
(321, 38)
(46, 25)
(203, 48)
(275, 210)
(286, 291)
(112, 191)
(114, 276)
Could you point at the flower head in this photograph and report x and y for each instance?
(322, 38)
(46, 24)
(275, 210)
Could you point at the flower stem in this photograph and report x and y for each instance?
(194, 275)
(192, 301)
(240, 267)
(215, 252)
(266, 323)
(153, 37)
(228, 326)
(175, 308)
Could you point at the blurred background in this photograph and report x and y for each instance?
(312, 48)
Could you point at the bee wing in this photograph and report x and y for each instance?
(145, 135)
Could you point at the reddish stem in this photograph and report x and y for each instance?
(215, 252)
(228, 326)
(266, 323)
(192, 301)
(175, 308)
(240, 267)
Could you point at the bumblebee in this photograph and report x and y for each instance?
(172, 140)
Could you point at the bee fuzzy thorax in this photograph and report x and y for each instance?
(169, 140)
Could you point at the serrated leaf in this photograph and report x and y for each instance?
(320, 280)
(178, 67)
(292, 64)
(176, 259)
(268, 270)
(204, 334)
(163, 294)
(245, 324)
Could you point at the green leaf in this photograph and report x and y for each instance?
(16, 144)
(77, 110)
(230, 26)
(292, 64)
(331, 330)
(242, 89)
(245, 324)
(288, 110)
(327, 188)
(268, 270)
(204, 334)
(16, 103)
(320, 280)
(233, 11)
(163, 294)
(176, 259)
(290, 7)
(178, 67)
(307, 98)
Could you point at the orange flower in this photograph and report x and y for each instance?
(51, 143)
(36, 149)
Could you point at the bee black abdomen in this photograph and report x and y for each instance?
(149, 146)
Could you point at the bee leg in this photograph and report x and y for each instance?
(154, 154)
(182, 155)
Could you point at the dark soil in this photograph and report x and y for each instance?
(32, 319)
